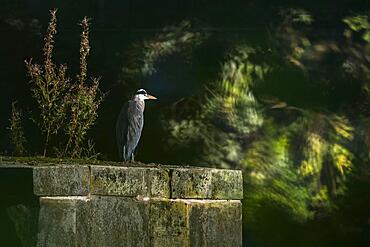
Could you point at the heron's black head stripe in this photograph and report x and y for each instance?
(141, 91)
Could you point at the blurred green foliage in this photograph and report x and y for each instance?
(299, 162)
(143, 56)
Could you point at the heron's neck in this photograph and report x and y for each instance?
(140, 103)
(140, 97)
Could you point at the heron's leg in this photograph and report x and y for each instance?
(132, 156)
(123, 153)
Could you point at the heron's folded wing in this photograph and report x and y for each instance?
(121, 130)
(135, 125)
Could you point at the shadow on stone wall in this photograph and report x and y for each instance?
(18, 207)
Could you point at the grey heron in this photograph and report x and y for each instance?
(130, 123)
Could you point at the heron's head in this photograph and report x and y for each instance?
(142, 95)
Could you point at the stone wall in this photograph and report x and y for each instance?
(83, 205)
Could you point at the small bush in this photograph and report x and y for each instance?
(63, 104)
(17, 138)
(50, 87)
(84, 102)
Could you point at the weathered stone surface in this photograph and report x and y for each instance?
(215, 223)
(196, 223)
(93, 222)
(191, 183)
(137, 206)
(114, 221)
(168, 223)
(207, 183)
(159, 180)
(135, 181)
(227, 184)
(84, 222)
(57, 221)
(118, 221)
(61, 180)
(130, 181)
(125, 181)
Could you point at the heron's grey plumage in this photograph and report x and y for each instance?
(129, 126)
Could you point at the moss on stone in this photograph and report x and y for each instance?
(46, 161)
(168, 223)
(61, 180)
(207, 183)
(136, 204)
(130, 181)
(215, 223)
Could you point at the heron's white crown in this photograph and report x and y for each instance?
(141, 91)
(142, 95)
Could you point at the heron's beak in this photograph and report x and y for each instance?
(150, 97)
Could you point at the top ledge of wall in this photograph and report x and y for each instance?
(133, 180)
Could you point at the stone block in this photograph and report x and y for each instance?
(130, 181)
(168, 223)
(61, 180)
(93, 222)
(215, 223)
(159, 180)
(207, 183)
(57, 221)
(227, 184)
(115, 221)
